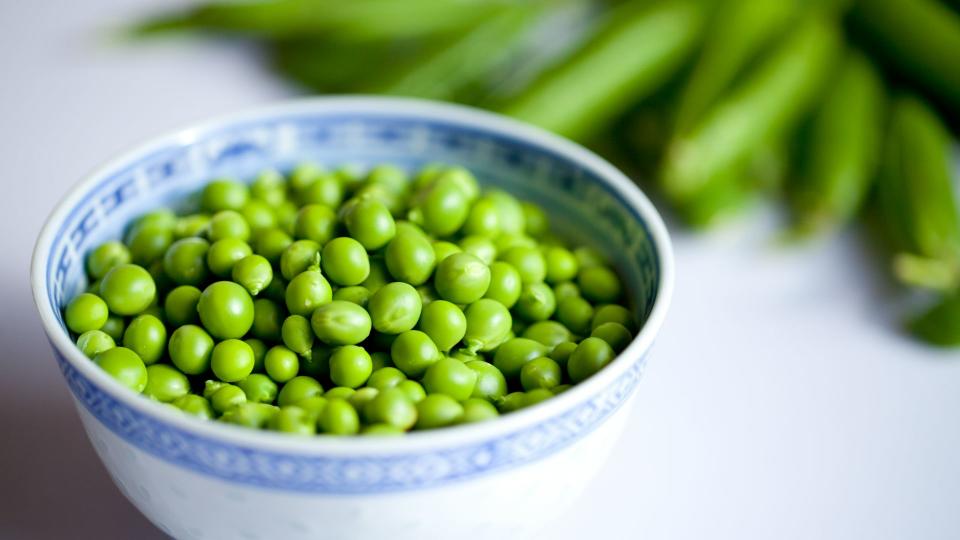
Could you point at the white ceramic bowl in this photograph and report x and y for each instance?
(501, 479)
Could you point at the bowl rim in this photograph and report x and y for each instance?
(346, 446)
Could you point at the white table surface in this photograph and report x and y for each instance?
(782, 401)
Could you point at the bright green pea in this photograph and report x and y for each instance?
(481, 247)
(514, 353)
(252, 415)
(259, 353)
(86, 312)
(565, 289)
(356, 294)
(392, 407)
(186, 261)
(613, 313)
(514, 401)
(228, 224)
(536, 303)
(483, 219)
(362, 397)
(190, 348)
(410, 257)
(599, 284)
(370, 223)
(298, 257)
(491, 384)
(313, 406)
(125, 366)
(444, 322)
(478, 410)
(442, 208)
(315, 222)
(259, 388)
(299, 388)
(512, 220)
(147, 336)
(326, 190)
(294, 420)
(212, 386)
(438, 410)
(340, 392)
(287, 212)
(462, 278)
(192, 225)
(345, 261)
(224, 195)
(390, 177)
(281, 364)
(226, 310)
(258, 215)
(413, 390)
(561, 265)
(232, 360)
(165, 383)
(528, 261)
(304, 174)
(114, 327)
(536, 222)
(350, 366)
(450, 377)
(269, 187)
(224, 254)
(148, 243)
(395, 308)
(297, 334)
(268, 320)
(536, 396)
(253, 272)
(562, 351)
(271, 243)
(488, 325)
(341, 323)
(442, 249)
(413, 352)
(575, 313)
(307, 292)
(194, 405)
(550, 333)
(94, 342)
(560, 388)
(540, 372)
(385, 377)
(180, 307)
(505, 284)
(105, 257)
(128, 289)
(615, 334)
(339, 418)
(590, 356)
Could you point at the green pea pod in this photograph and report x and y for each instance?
(841, 149)
(940, 325)
(764, 107)
(635, 52)
(920, 37)
(736, 35)
(915, 195)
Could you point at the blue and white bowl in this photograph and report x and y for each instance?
(197, 479)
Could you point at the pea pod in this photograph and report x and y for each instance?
(764, 107)
(841, 150)
(631, 55)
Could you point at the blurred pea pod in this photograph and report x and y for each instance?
(639, 47)
(764, 107)
(841, 150)
(915, 197)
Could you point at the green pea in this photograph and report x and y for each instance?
(340, 392)
(477, 410)
(252, 415)
(190, 348)
(444, 322)
(194, 405)
(297, 389)
(350, 366)
(307, 292)
(147, 336)
(180, 307)
(211, 387)
(488, 325)
(537, 302)
(599, 284)
(356, 294)
(225, 253)
(588, 256)
(315, 222)
(226, 310)
(536, 396)
(514, 353)
(341, 323)
(268, 319)
(561, 265)
(325, 190)
(560, 388)
(105, 257)
(540, 372)
(514, 401)
(566, 289)
(413, 352)
(294, 420)
(258, 215)
(550, 333)
(281, 364)
(224, 195)
(253, 272)
(125, 366)
(232, 360)
(562, 351)
(304, 174)
(94, 342)
(590, 356)
(395, 308)
(259, 353)
(442, 208)
(450, 377)
(390, 177)
(186, 261)
(259, 388)
(615, 334)
(505, 284)
(287, 212)
(491, 384)
(148, 243)
(613, 313)
(536, 222)
(483, 219)
(86, 312)
(442, 249)
(438, 410)
(391, 407)
(345, 261)
(114, 327)
(165, 383)
(127, 289)
(528, 261)
(413, 390)
(362, 397)
(462, 278)
(313, 406)
(370, 223)
(297, 335)
(410, 257)
(228, 224)
(339, 418)
(271, 243)
(192, 225)
(385, 377)
(269, 187)
(575, 313)
(298, 257)
(481, 247)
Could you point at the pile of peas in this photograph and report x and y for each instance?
(305, 305)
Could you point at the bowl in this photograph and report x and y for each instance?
(508, 477)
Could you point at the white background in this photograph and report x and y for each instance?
(782, 400)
